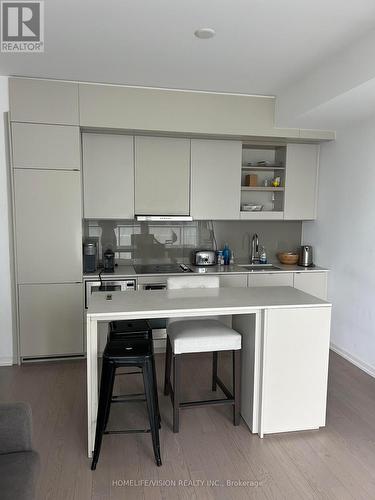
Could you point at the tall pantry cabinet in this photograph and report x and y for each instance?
(46, 161)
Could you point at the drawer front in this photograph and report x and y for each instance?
(233, 281)
(270, 279)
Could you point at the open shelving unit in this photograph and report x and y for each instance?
(270, 197)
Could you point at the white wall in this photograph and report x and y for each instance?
(344, 239)
(6, 337)
(338, 75)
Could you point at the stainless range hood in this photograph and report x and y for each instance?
(167, 218)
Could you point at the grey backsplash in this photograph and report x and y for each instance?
(148, 242)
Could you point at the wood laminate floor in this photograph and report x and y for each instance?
(337, 462)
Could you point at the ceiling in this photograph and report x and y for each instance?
(261, 46)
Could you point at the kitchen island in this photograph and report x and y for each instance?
(285, 347)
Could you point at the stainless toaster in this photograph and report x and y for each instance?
(205, 258)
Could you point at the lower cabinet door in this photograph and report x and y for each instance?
(313, 283)
(51, 319)
(295, 369)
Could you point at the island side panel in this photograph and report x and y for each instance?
(250, 327)
(295, 369)
(92, 381)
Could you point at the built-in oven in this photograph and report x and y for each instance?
(106, 285)
(150, 283)
(120, 285)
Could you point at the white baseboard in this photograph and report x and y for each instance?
(369, 369)
(6, 361)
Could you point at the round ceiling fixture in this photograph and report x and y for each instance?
(204, 33)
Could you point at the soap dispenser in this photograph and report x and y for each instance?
(263, 256)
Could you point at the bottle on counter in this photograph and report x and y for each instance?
(263, 256)
(226, 255)
(220, 258)
(231, 262)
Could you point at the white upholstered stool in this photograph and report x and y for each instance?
(204, 334)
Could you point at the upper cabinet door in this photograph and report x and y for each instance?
(215, 179)
(43, 101)
(162, 176)
(48, 223)
(54, 147)
(302, 161)
(108, 176)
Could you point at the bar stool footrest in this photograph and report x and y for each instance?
(207, 402)
(128, 431)
(128, 373)
(127, 398)
(229, 399)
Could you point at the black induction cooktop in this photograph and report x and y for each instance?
(161, 268)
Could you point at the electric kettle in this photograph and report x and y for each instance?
(305, 256)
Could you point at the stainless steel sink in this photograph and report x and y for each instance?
(260, 267)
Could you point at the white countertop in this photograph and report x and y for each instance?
(122, 271)
(195, 302)
(241, 269)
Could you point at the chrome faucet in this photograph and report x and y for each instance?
(254, 249)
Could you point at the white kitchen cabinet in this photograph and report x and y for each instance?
(314, 283)
(162, 176)
(48, 226)
(215, 179)
(108, 176)
(51, 319)
(43, 101)
(54, 147)
(294, 384)
(233, 280)
(302, 161)
(188, 112)
(270, 279)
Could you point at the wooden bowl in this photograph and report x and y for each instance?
(290, 258)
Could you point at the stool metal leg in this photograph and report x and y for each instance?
(214, 370)
(176, 392)
(236, 386)
(149, 383)
(156, 392)
(156, 383)
(111, 383)
(168, 362)
(107, 378)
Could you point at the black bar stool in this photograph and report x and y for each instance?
(136, 352)
(135, 329)
(126, 329)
